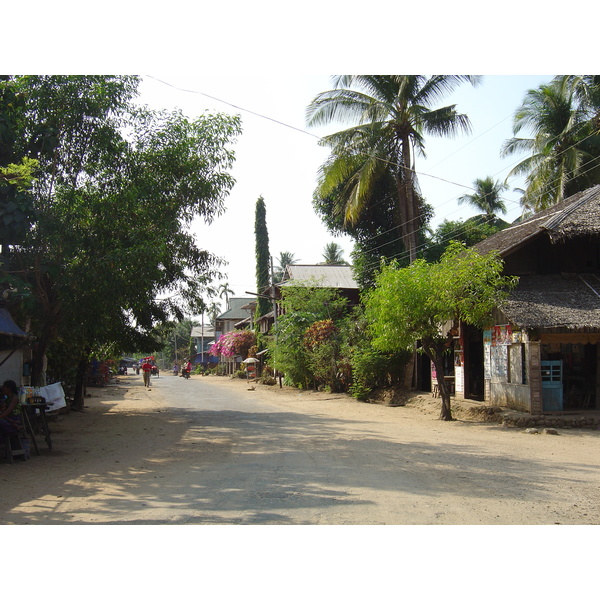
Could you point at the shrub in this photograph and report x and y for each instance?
(267, 379)
(234, 343)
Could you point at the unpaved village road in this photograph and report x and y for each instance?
(211, 451)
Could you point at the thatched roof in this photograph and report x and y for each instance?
(577, 216)
(555, 301)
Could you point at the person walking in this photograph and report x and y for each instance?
(147, 369)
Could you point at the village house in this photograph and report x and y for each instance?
(238, 315)
(541, 355)
(203, 336)
(338, 277)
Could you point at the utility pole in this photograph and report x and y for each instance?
(275, 314)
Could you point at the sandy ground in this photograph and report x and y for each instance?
(118, 439)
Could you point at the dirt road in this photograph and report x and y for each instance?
(213, 451)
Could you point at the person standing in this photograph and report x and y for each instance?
(147, 369)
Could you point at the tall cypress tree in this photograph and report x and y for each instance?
(262, 257)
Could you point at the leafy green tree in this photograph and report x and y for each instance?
(390, 116)
(469, 232)
(263, 267)
(303, 305)
(375, 234)
(110, 255)
(174, 341)
(414, 303)
(333, 254)
(564, 152)
(486, 196)
(368, 367)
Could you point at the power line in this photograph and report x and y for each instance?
(390, 162)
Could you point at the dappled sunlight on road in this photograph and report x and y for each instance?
(193, 465)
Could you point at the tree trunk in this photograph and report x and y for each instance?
(79, 392)
(408, 210)
(436, 354)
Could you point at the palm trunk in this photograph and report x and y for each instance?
(406, 198)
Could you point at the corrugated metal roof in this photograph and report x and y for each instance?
(325, 276)
(209, 331)
(235, 310)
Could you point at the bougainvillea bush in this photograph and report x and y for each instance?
(234, 343)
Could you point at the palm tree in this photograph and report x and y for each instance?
(333, 255)
(486, 196)
(213, 310)
(390, 116)
(225, 290)
(285, 259)
(564, 150)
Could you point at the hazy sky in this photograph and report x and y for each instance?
(278, 157)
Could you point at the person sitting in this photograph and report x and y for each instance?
(10, 414)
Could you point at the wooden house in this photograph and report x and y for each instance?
(542, 353)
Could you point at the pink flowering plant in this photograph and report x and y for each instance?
(234, 343)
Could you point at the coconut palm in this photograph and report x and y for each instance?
(390, 114)
(564, 150)
(225, 290)
(333, 255)
(213, 310)
(486, 196)
(285, 259)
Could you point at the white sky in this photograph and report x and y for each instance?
(280, 160)
(271, 61)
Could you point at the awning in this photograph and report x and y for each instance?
(8, 326)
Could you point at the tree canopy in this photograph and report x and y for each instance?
(486, 196)
(389, 116)
(107, 253)
(263, 257)
(285, 258)
(333, 254)
(417, 302)
(564, 150)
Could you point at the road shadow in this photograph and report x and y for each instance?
(180, 466)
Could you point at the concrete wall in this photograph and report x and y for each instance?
(12, 368)
(511, 395)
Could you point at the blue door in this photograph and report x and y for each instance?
(552, 385)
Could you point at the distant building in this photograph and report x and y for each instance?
(338, 277)
(203, 338)
(238, 315)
